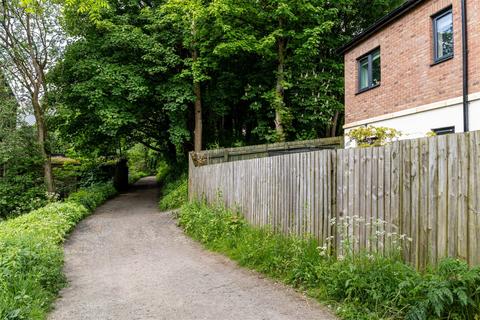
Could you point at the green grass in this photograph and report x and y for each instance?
(31, 254)
(363, 286)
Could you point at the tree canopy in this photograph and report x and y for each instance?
(234, 72)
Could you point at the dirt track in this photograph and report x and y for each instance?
(129, 261)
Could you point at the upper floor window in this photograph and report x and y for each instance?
(443, 35)
(369, 74)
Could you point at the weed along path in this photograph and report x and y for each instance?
(129, 261)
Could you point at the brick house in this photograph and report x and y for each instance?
(413, 71)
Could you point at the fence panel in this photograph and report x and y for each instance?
(427, 189)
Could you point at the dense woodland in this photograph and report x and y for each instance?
(166, 76)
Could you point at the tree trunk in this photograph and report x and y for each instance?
(198, 110)
(333, 129)
(280, 90)
(42, 143)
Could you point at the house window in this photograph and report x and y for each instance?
(446, 130)
(369, 74)
(443, 35)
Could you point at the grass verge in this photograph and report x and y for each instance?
(174, 187)
(31, 253)
(174, 194)
(362, 286)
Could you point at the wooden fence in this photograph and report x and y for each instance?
(428, 189)
(266, 150)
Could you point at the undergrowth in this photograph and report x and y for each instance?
(360, 286)
(135, 176)
(174, 187)
(31, 255)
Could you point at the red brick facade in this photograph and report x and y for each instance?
(409, 78)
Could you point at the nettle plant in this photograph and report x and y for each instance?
(371, 136)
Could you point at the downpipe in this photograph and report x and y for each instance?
(466, 120)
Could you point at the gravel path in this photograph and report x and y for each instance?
(129, 261)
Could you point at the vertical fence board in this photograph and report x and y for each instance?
(432, 201)
(374, 193)
(415, 206)
(462, 205)
(381, 200)
(388, 194)
(423, 214)
(452, 204)
(339, 207)
(368, 198)
(475, 211)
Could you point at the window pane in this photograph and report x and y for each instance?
(444, 29)
(376, 73)
(363, 65)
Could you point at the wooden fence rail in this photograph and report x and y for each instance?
(208, 157)
(428, 189)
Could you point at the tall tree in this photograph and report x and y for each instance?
(122, 79)
(224, 72)
(30, 41)
(273, 29)
(190, 19)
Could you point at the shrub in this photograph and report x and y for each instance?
(373, 136)
(163, 170)
(21, 194)
(31, 255)
(93, 196)
(361, 285)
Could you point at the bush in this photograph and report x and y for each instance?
(31, 256)
(93, 196)
(163, 171)
(373, 136)
(362, 286)
(21, 194)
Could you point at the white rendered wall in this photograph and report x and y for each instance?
(474, 115)
(417, 125)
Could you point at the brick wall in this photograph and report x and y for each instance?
(408, 77)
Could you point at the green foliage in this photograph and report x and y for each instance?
(21, 179)
(31, 255)
(67, 176)
(96, 170)
(141, 162)
(451, 291)
(21, 194)
(93, 196)
(163, 170)
(373, 136)
(130, 75)
(174, 193)
(361, 286)
(174, 186)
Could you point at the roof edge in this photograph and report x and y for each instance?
(380, 24)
